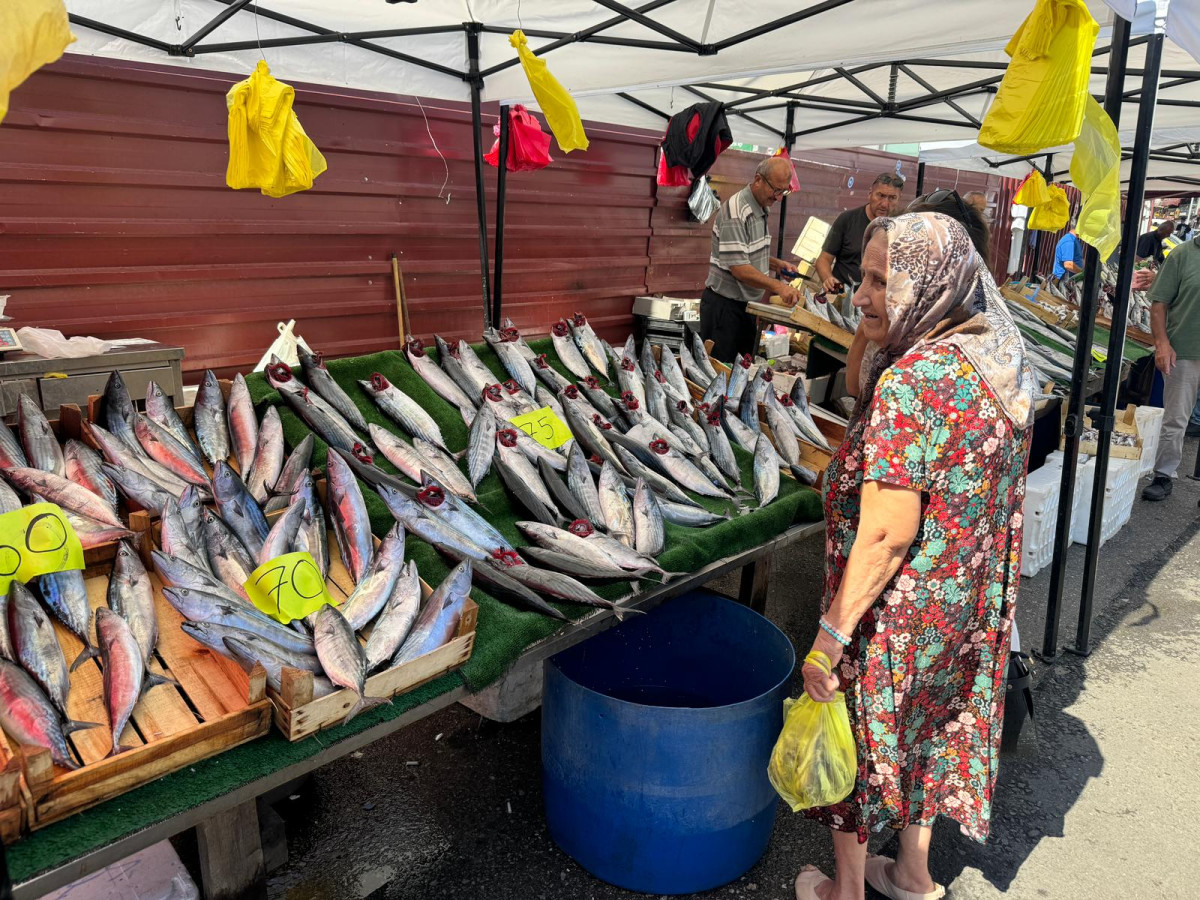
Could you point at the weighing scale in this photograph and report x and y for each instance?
(8, 336)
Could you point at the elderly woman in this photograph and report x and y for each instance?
(923, 505)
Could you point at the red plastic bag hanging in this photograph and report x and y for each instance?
(528, 145)
(794, 184)
(672, 176)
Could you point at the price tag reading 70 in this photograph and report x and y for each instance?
(288, 587)
(37, 540)
(544, 427)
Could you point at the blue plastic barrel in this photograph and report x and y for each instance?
(655, 740)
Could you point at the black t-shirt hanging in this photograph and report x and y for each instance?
(696, 137)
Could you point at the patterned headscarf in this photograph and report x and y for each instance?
(939, 292)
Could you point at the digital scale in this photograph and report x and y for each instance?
(8, 336)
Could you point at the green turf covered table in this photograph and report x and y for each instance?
(219, 794)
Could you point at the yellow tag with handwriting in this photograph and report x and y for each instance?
(544, 427)
(288, 587)
(37, 540)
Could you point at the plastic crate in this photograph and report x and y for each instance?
(1120, 491)
(1149, 422)
(1041, 515)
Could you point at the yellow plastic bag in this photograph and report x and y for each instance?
(268, 148)
(1096, 171)
(1052, 215)
(814, 762)
(1032, 192)
(32, 34)
(562, 115)
(1041, 98)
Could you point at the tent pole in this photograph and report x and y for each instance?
(501, 186)
(472, 29)
(1079, 372)
(787, 145)
(920, 179)
(1116, 342)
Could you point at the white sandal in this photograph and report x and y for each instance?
(807, 881)
(877, 877)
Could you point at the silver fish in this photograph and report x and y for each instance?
(766, 471)
(563, 498)
(479, 375)
(739, 377)
(598, 397)
(228, 558)
(581, 539)
(783, 430)
(124, 671)
(450, 362)
(9, 501)
(656, 398)
(342, 657)
(579, 480)
(163, 447)
(439, 617)
(397, 618)
(348, 512)
(176, 572)
(649, 535)
(11, 453)
(683, 472)
(160, 409)
(592, 435)
(83, 466)
(680, 415)
(201, 606)
(716, 388)
(297, 465)
(402, 409)
(442, 383)
(614, 504)
(629, 379)
(544, 398)
(284, 534)
(373, 591)
(598, 567)
(481, 444)
(243, 424)
(508, 449)
(322, 418)
(313, 537)
(445, 470)
(35, 645)
(117, 411)
(67, 494)
(317, 377)
(589, 344)
(669, 366)
(691, 368)
(28, 716)
(93, 534)
(6, 647)
(248, 653)
(439, 504)
(523, 491)
(547, 374)
(213, 635)
(116, 452)
(568, 349)
(38, 438)
(561, 586)
(65, 595)
(803, 423)
(720, 450)
(238, 509)
(689, 515)
(505, 344)
(131, 596)
(191, 507)
(268, 457)
(657, 481)
(700, 353)
(176, 538)
(209, 418)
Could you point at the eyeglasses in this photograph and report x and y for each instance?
(896, 181)
(777, 193)
(939, 197)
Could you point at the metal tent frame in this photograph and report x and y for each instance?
(747, 103)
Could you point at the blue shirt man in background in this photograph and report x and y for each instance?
(1068, 258)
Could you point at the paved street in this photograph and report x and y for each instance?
(452, 806)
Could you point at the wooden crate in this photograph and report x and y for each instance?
(216, 706)
(1126, 423)
(799, 317)
(12, 795)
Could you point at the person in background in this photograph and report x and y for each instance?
(1183, 229)
(1068, 259)
(968, 215)
(923, 505)
(740, 263)
(838, 264)
(977, 200)
(1175, 325)
(1149, 245)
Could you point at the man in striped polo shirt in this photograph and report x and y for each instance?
(740, 263)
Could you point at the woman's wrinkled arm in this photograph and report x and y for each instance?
(889, 519)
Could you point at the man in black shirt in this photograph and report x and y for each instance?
(1150, 243)
(838, 264)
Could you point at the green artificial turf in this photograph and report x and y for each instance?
(503, 631)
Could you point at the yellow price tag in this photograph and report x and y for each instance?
(544, 427)
(37, 540)
(288, 587)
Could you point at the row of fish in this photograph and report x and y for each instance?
(836, 310)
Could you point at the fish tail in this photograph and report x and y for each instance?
(71, 725)
(364, 703)
(153, 679)
(622, 611)
(117, 748)
(87, 653)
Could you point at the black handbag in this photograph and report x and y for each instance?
(1019, 734)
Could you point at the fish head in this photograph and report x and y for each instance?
(714, 418)
(492, 392)
(600, 423)
(682, 406)
(507, 558)
(745, 361)
(627, 364)
(319, 358)
(153, 390)
(512, 387)
(659, 376)
(785, 400)
(660, 446)
(506, 437)
(581, 528)
(541, 362)
(225, 481)
(768, 374)
(592, 382)
(560, 328)
(579, 319)
(379, 382)
(210, 379)
(510, 335)
(360, 452)
(279, 373)
(571, 392)
(630, 401)
(431, 495)
(415, 347)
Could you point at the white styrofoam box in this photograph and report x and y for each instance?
(666, 308)
(151, 874)
(776, 345)
(1041, 516)
(1120, 491)
(1149, 423)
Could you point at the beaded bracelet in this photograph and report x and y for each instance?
(834, 633)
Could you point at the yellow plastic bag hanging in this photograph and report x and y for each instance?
(1041, 98)
(1032, 192)
(268, 148)
(32, 34)
(1053, 215)
(814, 762)
(1096, 171)
(562, 115)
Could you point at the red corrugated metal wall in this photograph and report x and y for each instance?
(116, 220)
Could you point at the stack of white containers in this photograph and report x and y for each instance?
(1149, 423)
(1041, 512)
(1120, 490)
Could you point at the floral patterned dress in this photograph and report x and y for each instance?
(925, 671)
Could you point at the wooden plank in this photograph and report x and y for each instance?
(756, 578)
(191, 665)
(231, 856)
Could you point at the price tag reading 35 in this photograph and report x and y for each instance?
(288, 587)
(37, 540)
(544, 427)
